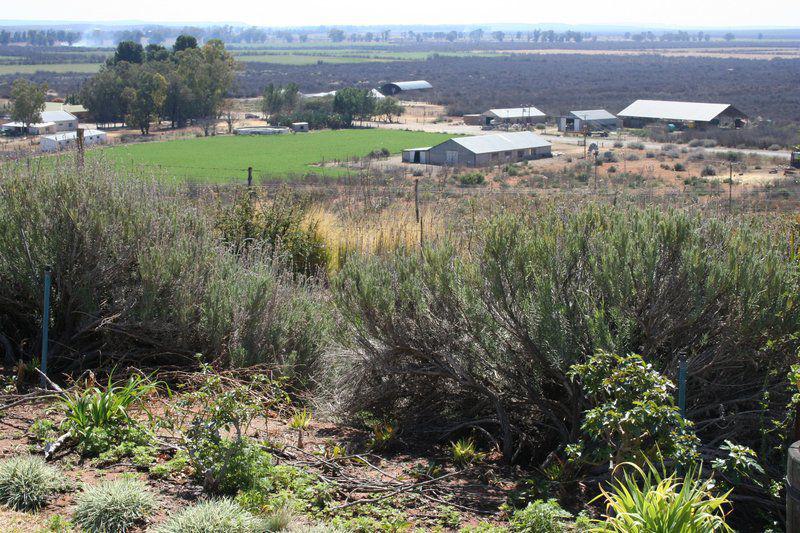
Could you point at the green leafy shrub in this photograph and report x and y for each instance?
(98, 417)
(540, 516)
(679, 167)
(114, 506)
(643, 501)
(213, 516)
(632, 416)
(708, 170)
(471, 179)
(27, 482)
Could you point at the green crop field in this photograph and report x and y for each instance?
(60, 68)
(225, 158)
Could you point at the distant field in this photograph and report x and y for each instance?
(340, 56)
(225, 158)
(59, 68)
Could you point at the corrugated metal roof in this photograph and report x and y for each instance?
(593, 114)
(501, 142)
(666, 110)
(69, 108)
(516, 112)
(57, 116)
(415, 85)
(69, 135)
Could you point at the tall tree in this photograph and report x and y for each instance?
(129, 51)
(209, 73)
(28, 100)
(353, 103)
(184, 42)
(144, 99)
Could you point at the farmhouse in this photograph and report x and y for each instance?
(513, 115)
(69, 139)
(482, 150)
(390, 89)
(52, 122)
(589, 119)
(688, 114)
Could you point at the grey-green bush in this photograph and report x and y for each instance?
(139, 267)
(114, 506)
(214, 516)
(27, 482)
(447, 338)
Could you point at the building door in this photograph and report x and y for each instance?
(416, 156)
(451, 157)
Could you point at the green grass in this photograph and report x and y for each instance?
(225, 158)
(60, 68)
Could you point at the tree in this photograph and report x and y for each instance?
(279, 99)
(129, 51)
(388, 108)
(476, 35)
(28, 100)
(352, 103)
(144, 100)
(228, 107)
(729, 36)
(336, 35)
(498, 36)
(209, 73)
(101, 96)
(156, 52)
(184, 42)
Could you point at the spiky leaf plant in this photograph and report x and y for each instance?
(27, 482)
(114, 506)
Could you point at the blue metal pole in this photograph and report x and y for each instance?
(46, 318)
(682, 386)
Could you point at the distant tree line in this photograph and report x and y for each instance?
(40, 37)
(185, 84)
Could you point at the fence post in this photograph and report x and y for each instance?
(45, 321)
(249, 176)
(79, 137)
(793, 489)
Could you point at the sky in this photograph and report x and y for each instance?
(274, 13)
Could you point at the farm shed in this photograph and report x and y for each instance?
(390, 89)
(690, 114)
(514, 115)
(473, 120)
(74, 109)
(69, 139)
(483, 150)
(52, 122)
(300, 127)
(416, 155)
(591, 119)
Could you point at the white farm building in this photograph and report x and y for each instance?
(69, 139)
(513, 115)
(691, 114)
(589, 119)
(482, 150)
(52, 122)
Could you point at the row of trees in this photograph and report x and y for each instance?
(39, 37)
(283, 106)
(139, 85)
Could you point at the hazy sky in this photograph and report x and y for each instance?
(676, 13)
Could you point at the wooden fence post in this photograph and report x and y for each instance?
(79, 137)
(793, 489)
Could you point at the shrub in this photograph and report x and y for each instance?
(708, 170)
(652, 501)
(632, 415)
(612, 169)
(636, 145)
(471, 179)
(143, 273)
(539, 293)
(632, 157)
(213, 516)
(618, 144)
(114, 506)
(98, 418)
(465, 452)
(679, 167)
(27, 482)
(540, 516)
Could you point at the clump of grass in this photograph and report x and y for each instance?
(214, 516)
(299, 422)
(114, 506)
(27, 482)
